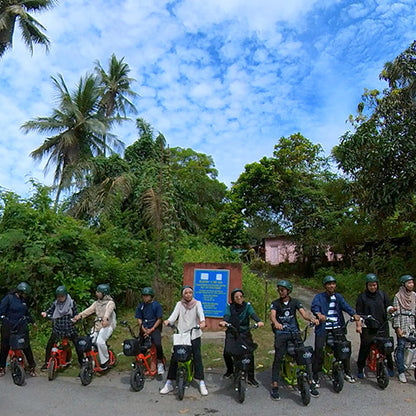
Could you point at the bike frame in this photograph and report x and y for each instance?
(59, 354)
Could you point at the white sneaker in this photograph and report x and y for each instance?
(402, 378)
(203, 388)
(160, 368)
(167, 388)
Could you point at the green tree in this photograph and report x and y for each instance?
(12, 11)
(380, 155)
(77, 129)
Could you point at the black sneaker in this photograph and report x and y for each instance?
(253, 382)
(44, 367)
(314, 391)
(228, 375)
(315, 381)
(274, 393)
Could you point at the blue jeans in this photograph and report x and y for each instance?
(400, 355)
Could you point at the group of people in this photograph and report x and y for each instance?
(327, 315)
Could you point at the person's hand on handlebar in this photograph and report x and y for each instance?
(278, 326)
(260, 324)
(43, 314)
(202, 325)
(321, 317)
(358, 326)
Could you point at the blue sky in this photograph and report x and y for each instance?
(225, 77)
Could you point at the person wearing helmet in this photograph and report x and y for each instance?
(61, 312)
(283, 318)
(328, 307)
(189, 314)
(149, 316)
(373, 301)
(15, 316)
(404, 322)
(105, 311)
(238, 313)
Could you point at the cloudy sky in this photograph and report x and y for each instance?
(225, 77)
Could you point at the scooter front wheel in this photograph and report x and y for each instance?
(86, 374)
(337, 377)
(382, 375)
(305, 392)
(182, 377)
(137, 378)
(18, 374)
(51, 369)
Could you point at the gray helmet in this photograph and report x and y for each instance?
(24, 288)
(286, 284)
(61, 290)
(371, 278)
(103, 288)
(148, 291)
(329, 279)
(405, 278)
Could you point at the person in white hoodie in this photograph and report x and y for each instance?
(104, 308)
(189, 313)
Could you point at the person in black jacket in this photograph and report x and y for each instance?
(376, 303)
(15, 316)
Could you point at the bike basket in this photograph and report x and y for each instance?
(385, 345)
(84, 344)
(131, 347)
(18, 341)
(182, 353)
(342, 350)
(304, 355)
(236, 346)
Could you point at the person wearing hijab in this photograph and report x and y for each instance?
(188, 313)
(238, 313)
(62, 310)
(105, 323)
(373, 301)
(404, 322)
(15, 316)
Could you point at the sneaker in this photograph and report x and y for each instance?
(203, 388)
(32, 372)
(315, 381)
(2, 371)
(167, 388)
(314, 391)
(402, 378)
(361, 374)
(228, 375)
(391, 373)
(274, 393)
(44, 367)
(350, 378)
(253, 382)
(160, 368)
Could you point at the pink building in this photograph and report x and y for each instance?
(283, 249)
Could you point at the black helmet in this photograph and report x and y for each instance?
(329, 279)
(24, 288)
(148, 291)
(371, 278)
(234, 291)
(103, 288)
(61, 290)
(286, 284)
(405, 278)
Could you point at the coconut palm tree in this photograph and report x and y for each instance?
(77, 129)
(13, 11)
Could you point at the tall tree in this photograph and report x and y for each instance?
(380, 155)
(77, 129)
(12, 11)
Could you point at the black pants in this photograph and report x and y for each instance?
(156, 338)
(366, 337)
(5, 346)
(228, 358)
(318, 356)
(199, 367)
(55, 338)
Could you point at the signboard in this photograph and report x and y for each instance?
(211, 288)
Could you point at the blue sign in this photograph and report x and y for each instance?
(211, 288)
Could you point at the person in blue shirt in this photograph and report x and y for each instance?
(328, 307)
(149, 316)
(15, 316)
